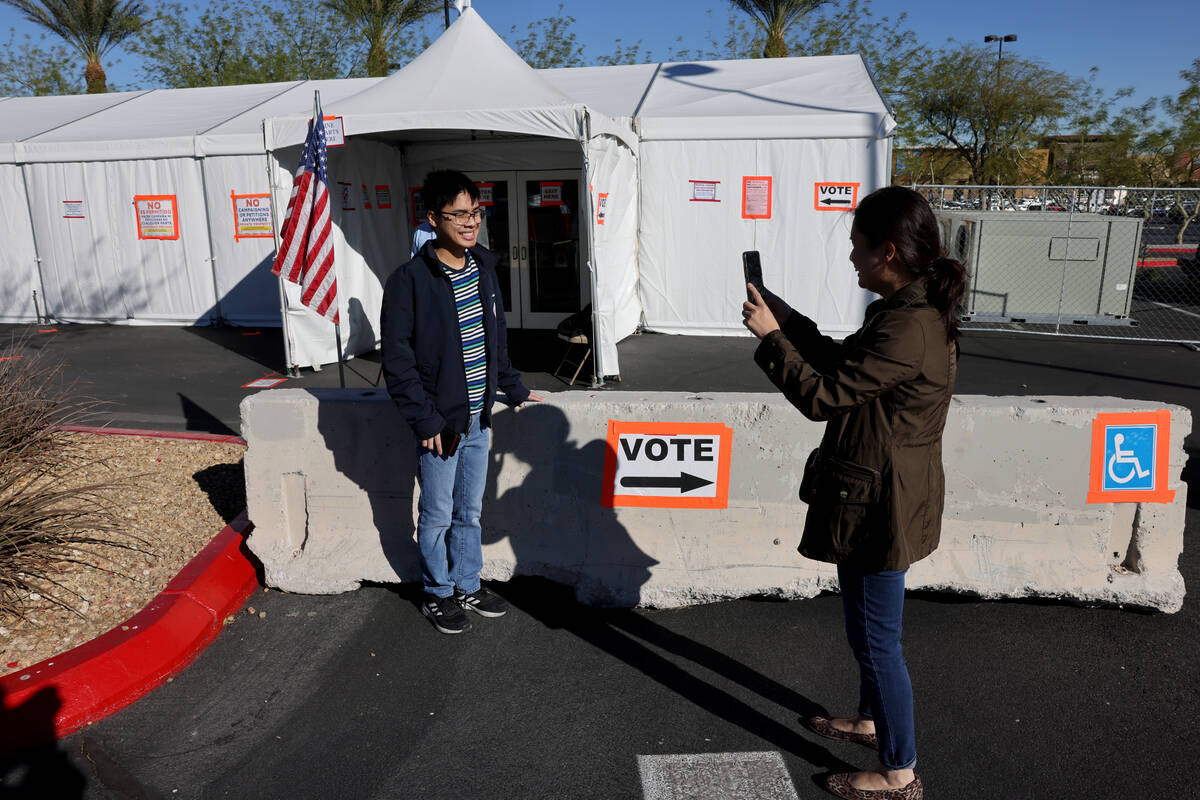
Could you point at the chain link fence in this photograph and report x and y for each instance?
(1110, 262)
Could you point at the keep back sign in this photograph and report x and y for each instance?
(667, 464)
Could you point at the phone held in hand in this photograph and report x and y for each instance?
(450, 441)
(752, 271)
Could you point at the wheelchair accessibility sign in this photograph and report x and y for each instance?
(1130, 458)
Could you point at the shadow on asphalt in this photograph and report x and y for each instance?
(44, 769)
(201, 420)
(632, 637)
(263, 346)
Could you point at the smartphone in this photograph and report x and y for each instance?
(450, 441)
(752, 270)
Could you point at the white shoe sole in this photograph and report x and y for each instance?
(481, 612)
(448, 631)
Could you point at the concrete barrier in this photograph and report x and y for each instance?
(330, 489)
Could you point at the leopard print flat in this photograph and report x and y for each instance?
(839, 785)
(823, 726)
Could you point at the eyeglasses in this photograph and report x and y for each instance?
(463, 217)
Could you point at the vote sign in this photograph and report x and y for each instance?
(667, 464)
(835, 196)
(1130, 458)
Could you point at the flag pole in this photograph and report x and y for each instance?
(318, 119)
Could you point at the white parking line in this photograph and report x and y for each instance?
(716, 776)
(1173, 308)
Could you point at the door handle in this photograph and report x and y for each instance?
(523, 253)
(514, 253)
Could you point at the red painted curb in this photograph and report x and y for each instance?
(194, 435)
(62, 694)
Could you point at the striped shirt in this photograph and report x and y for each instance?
(465, 283)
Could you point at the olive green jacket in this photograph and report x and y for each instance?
(875, 486)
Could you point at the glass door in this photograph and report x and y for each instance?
(531, 222)
(552, 285)
(498, 232)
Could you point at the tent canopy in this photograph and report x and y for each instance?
(822, 97)
(468, 79)
(161, 123)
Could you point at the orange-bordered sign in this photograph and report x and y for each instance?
(487, 195)
(756, 197)
(667, 464)
(157, 216)
(1131, 458)
(835, 196)
(251, 216)
(551, 193)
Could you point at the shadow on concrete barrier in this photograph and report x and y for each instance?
(331, 490)
(386, 478)
(551, 522)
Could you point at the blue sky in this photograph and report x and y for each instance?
(1143, 49)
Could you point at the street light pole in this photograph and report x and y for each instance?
(994, 37)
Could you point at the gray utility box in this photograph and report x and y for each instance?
(1045, 266)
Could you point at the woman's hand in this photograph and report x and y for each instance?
(757, 315)
(778, 307)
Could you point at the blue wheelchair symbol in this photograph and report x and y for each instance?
(1129, 457)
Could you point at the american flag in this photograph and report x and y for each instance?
(305, 254)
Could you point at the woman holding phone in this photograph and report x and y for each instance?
(875, 486)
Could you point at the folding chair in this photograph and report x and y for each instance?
(571, 358)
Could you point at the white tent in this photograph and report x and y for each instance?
(634, 188)
(704, 128)
(469, 102)
(71, 168)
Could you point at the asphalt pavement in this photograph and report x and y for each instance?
(356, 696)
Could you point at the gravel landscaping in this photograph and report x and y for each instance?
(175, 497)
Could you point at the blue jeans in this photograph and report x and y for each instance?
(448, 532)
(873, 604)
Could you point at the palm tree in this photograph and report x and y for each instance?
(377, 20)
(776, 17)
(93, 27)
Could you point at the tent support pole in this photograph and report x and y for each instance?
(212, 251)
(288, 367)
(597, 374)
(37, 254)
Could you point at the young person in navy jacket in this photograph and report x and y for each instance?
(445, 355)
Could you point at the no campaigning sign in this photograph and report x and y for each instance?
(667, 464)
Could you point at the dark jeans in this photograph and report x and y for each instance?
(873, 604)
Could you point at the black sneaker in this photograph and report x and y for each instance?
(446, 614)
(483, 602)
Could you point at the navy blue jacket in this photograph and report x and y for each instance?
(422, 349)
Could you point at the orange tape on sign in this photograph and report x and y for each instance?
(835, 196)
(251, 216)
(756, 197)
(157, 216)
(667, 465)
(1130, 460)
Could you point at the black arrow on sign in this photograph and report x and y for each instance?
(829, 201)
(684, 483)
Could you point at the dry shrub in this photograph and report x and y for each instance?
(46, 526)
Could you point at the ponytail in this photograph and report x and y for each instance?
(945, 284)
